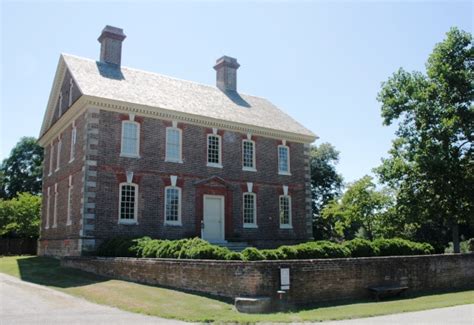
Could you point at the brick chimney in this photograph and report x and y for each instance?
(226, 77)
(111, 45)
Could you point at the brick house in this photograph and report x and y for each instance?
(134, 153)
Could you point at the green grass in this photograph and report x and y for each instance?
(156, 301)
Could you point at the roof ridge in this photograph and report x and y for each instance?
(162, 75)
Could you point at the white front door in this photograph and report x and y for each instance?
(213, 230)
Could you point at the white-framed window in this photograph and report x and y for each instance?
(285, 211)
(51, 158)
(58, 155)
(249, 210)
(71, 86)
(55, 209)
(48, 208)
(214, 150)
(173, 205)
(283, 160)
(73, 142)
(248, 155)
(130, 139)
(69, 202)
(128, 203)
(60, 104)
(174, 145)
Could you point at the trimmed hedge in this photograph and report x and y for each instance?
(197, 248)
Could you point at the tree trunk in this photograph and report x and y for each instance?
(456, 247)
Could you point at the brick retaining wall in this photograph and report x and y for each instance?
(311, 280)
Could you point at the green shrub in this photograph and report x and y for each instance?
(361, 248)
(272, 254)
(398, 246)
(233, 256)
(321, 249)
(287, 252)
(208, 252)
(252, 254)
(116, 247)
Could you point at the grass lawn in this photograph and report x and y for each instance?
(175, 304)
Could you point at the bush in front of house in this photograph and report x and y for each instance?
(197, 248)
(398, 246)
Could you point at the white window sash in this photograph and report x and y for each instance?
(254, 223)
(58, 156)
(219, 153)
(73, 144)
(134, 154)
(168, 158)
(51, 159)
(253, 167)
(280, 171)
(135, 208)
(289, 224)
(48, 208)
(55, 211)
(172, 222)
(69, 203)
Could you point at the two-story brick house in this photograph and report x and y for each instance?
(134, 153)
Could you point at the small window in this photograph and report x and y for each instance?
(69, 202)
(60, 104)
(214, 150)
(73, 144)
(58, 156)
(250, 210)
(283, 160)
(173, 205)
(128, 203)
(173, 144)
(71, 86)
(248, 155)
(285, 211)
(48, 207)
(130, 139)
(51, 158)
(55, 210)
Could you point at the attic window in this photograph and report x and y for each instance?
(71, 86)
(60, 104)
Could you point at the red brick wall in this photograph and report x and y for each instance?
(310, 280)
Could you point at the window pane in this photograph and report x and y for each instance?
(172, 204)
(173, 144)
(130, 139)
(127, 203)
(284, 210)
(213, 149)
(248, 154)
(283, 159)
(249, 208)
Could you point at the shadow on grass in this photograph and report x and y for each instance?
(47, 271)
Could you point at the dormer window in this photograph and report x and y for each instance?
(214, 150)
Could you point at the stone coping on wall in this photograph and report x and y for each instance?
(311, 280)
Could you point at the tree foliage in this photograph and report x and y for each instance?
(326, 184)
(22, 171)
(431, 161)
(20, 216)
(361, 210)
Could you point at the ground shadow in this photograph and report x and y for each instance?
(111, 71)
(47, 271)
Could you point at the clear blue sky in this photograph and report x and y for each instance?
(322, 62)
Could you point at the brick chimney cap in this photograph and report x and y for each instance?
(226, 61)
(112, 32)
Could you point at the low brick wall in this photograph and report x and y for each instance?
(311, 280)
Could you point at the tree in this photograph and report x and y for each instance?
(362, 208)
(20, 216)
(23, 170)
(326, 184)
(431, 161)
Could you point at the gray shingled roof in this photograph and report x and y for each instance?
(155, 90)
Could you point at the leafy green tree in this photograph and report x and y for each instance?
(20, 216)
(362, 209)
(431, 161)
(326, 184)
(22, 171)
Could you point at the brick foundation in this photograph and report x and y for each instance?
(311, 280)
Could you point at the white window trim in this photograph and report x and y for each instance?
(48, 208)
(72, 151)
(69, 207)
(254, 162)
(55, 211)
(254, 224)
(133, 221)
(180, 158)
(51, 158)
(172, 222)
(281, 172)
(127, 155)
(290, 217)
(215, 165)
(58, 155)
(60, 104)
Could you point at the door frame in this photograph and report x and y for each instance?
(222, 199)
